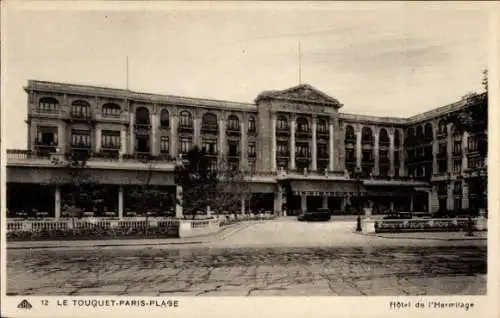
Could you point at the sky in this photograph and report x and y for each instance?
(391, 59)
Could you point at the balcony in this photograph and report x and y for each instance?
(110, 146)
(303, 133)
(85, 117)
(233, 131)
(211, 129)
(185, 128)
(283, 131)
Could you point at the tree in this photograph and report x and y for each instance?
(205, 184)
(79, 187)
(147, 197)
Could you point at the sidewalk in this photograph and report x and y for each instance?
(220, 235)
(442, 236)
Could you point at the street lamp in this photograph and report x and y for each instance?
(357, 178)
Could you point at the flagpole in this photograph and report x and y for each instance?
(126, 68)
(299, 53)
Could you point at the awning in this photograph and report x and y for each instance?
(327, 188)
(390, 191)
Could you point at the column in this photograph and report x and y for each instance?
(222, 139)
(273, 143)
(123, 140)
(178, 203)
(154, 132)
(131, 133)
(449, 197)
(434, 200)
(465, 138)
(61, 137)
(391, 206)
(57, 202)
(434, 149)
(173, 135)
(278, 200)
(98, 139)
(411, 202)
(243, 146)
(358, 147)
(242, 205)
(465, 194)
(314, 165)
(331, 147)
(292, 143)
(303, 202)
(197, 131)
(449, 149)
(376, 167)
(120, 201)
(402, 166)
(31, 136)
(324, 203)
(391, 155)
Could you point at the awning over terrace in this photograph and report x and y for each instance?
(327, 188)
(390, 191)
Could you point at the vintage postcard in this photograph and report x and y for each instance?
(249, 159)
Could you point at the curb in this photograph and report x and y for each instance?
(209, 238)
(425, 238)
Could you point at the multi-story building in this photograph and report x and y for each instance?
(299, 150)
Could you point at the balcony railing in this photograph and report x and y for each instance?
(303, 133)
(81, 115)
(233, 131)
(283, 131)
(185, 128)
(210, 128)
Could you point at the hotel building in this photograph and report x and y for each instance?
(298, 146)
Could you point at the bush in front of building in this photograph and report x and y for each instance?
(427, 225)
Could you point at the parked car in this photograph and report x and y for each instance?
(319, 215)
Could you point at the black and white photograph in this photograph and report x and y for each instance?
(171, 150)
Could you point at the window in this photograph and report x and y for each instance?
(322, 151)
(396, 158)
(185, 143)
(457, 166)
(282, 123)
(233, 148)
(442, 166)
(302, 125)
(442, 130)
(302, 149)
(397, 140)
(442, 149)
(472, 144)
(457, 147)
(233, 123)
(366, 135)
(457, 188)
(420, 131)
(367, 156)
(350, 155)
(383, 137)
(46, 136)
(251, 125)
(80, 109)
(282, 148)
(164, 119)
(251, 149)
(142, 116)
(48, 105)
(164, 144)
(209, 146)
(251, 166)
(383, 155)
(384, 171)
(349, 133)
(110, 139)
(185, 120)
(80, 138)
(111, 110)
(209, 122)
(322, 126)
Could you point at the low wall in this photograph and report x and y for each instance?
(193, 228)
(426, 225)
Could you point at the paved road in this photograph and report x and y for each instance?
(273, 258)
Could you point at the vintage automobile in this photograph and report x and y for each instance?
(319, 215)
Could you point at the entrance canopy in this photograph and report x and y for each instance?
(327, 188)
(391, 191)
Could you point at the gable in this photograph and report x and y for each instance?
(304, 93)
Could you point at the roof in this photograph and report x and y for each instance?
(301, 93)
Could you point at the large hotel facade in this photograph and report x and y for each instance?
(300, 151)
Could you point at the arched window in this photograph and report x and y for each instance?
(209, 122)
(48, 105)
(142, 116)
(420, 131)
(442, 128)
(397, 139)
(111, 110)
(80, 109)
(411, 132)
(322, 126)
(164, 119)
(303, 125)
(185, 119)
(366, 135)
(282, 123)
(383, 137)
(251, 124)
(349, 133)
(428, 131)
(233, 123)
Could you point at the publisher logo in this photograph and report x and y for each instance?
(24, 304)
